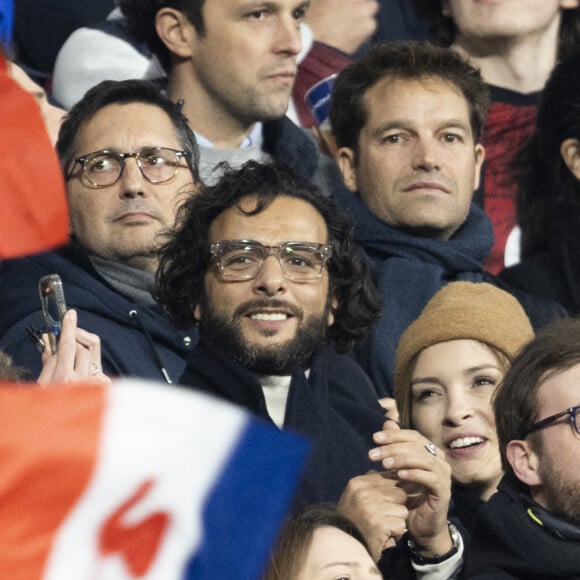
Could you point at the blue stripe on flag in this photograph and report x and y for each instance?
(244, 512)
(6, 21)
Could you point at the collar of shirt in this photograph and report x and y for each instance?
(254, 138)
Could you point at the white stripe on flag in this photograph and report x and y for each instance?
(162, 449)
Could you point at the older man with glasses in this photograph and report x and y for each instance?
(531, 527)
(129, 160)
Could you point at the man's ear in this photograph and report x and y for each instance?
(524, 462)
(570, 151)
(445, 8)
(346, 163)
(175, 31)
(197, 312)
(333, 307)
(479, 159)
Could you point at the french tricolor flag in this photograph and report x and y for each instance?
(138, 480)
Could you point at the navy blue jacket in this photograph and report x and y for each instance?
(126, 348)
(335, 407)
(508, 543)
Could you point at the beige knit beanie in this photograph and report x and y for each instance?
(461, 310)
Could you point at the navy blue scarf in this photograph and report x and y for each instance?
(409, 271)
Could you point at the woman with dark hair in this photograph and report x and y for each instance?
(321, 543)
(549, 197)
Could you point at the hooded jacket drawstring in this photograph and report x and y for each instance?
(135, 316)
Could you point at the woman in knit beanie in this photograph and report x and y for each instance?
(448, 364)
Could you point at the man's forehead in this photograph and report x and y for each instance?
(285, 218)
(395, 101)
(119, 125)
(559, 390)
(409, 86)
(247, 5)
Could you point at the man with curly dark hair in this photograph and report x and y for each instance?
(267, 267)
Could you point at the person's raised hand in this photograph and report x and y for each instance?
(343, 24)
(390, 406)
(376, 504)
(425, 475)
(78, 357)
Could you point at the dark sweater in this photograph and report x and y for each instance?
(125, 340)
(335, 407)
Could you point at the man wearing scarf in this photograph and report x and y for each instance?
(408, 120)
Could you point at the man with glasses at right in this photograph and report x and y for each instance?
(531, 527)
(129, 160)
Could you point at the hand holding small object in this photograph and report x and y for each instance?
(78, 358)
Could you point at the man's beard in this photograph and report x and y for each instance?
(561, 497)
(226, 333)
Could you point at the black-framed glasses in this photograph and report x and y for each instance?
(104, 168)
(572, 412)
(243, 259)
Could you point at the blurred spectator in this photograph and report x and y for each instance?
(33, 213)
(102, 51)
(331, 52)
(51, 114)
(9, 372)
(42, 26)
(549, 199)
(320, 543)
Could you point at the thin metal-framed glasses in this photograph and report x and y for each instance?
(572, 413)
(243, 259)
(104, 168)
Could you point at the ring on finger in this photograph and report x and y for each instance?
(432, 448)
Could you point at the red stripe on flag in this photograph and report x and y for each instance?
(49, 440)
(33, 212)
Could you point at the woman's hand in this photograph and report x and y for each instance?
(425, 475)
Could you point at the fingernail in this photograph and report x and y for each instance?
(374, 453)
(71, 315)
(388, 462)
(379, 436)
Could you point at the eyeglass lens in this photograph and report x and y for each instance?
(299, 262)
(157, 165)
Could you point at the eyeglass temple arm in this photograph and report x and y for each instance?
(541, 424)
